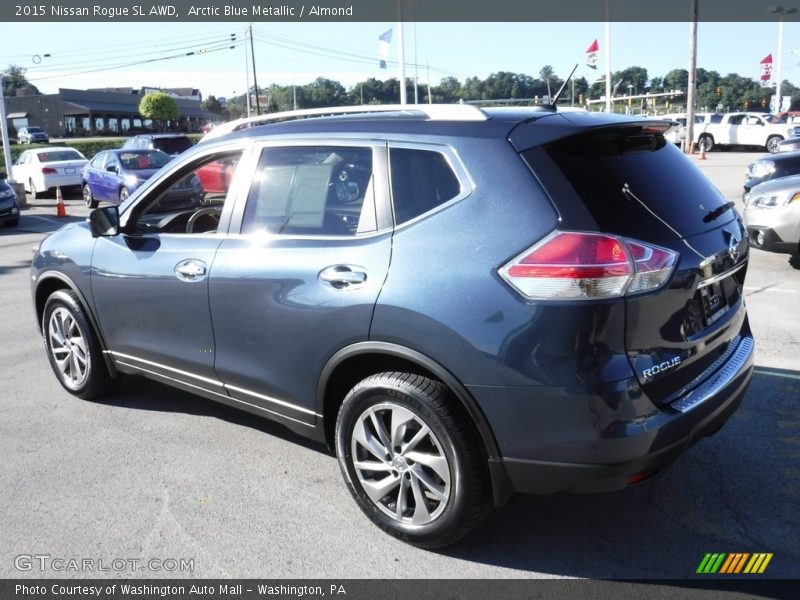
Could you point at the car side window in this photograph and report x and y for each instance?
(190, 200)
(111, 161)
(97, 161)
(421, 181)
(312, 190)
(736, 120)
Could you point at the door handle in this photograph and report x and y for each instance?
(342, 276)
(190, 270)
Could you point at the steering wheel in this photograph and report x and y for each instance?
(212, 212)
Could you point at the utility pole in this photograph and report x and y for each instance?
(247, 76)
(255, 81)
(608, 58)
(428, 70)
(403, 99)
(688, 141)
(6, 142)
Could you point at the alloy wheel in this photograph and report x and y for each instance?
(68, 347)
(400, 464)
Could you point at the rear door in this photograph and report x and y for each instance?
(301, 278)
(628, 181)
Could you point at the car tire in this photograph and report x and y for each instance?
(705, 143)
(88, 197)
(773, 144)
(72, 347)
(123, 195)
(429, 494)
(34, 192)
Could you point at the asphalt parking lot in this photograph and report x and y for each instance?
(156, 473)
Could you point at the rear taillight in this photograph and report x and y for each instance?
(569, 265)
(49, 171)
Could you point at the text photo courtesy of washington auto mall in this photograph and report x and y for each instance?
(400, 299)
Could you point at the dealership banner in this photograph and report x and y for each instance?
(386, 10)
(387, 589)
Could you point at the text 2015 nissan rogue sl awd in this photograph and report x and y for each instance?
(461, 303)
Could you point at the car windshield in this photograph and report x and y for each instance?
(140, 161)
(34, 129)
(55, 155)
(774, 119)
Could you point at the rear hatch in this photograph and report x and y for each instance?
(626, 180)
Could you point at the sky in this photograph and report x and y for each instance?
(348, 52)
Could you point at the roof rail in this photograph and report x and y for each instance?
(434, 112)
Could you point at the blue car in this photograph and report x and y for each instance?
(462, 303)
(113, 175)
(9, 209)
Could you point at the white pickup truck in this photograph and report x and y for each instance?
(744, 129)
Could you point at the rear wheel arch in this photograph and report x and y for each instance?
(354, 363)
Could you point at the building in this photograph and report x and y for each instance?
(78, 113)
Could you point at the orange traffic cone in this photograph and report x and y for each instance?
(60, 210)
(702, 153)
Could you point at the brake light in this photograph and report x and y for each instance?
(575, 265)
(49, 171)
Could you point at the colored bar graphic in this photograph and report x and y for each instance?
(732, 563)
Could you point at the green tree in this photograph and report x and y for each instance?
(212, 104)
(159, 107)
(14, 79)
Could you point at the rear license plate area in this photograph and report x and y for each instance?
(69, 171)
(714, 302)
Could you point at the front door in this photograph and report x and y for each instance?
(150, 283)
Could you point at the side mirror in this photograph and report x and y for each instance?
(112, 169)
(104, 222)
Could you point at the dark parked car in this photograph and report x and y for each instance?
(32, 135)
(113, 175)
(9, 208)
(771, 167)
(461, 303)
(171, 143)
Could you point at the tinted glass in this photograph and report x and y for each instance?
(421, 181)
(314, 190)
(142, 161)
(56, 155)
(34, 129)
(626, 176)
(172, 145)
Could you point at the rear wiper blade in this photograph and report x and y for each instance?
(718, 211)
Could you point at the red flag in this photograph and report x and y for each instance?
(766, 68)
(593, 55)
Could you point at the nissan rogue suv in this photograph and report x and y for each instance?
(462, 303)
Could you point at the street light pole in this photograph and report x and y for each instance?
(782, 11)
(6, 141)
(691, 91)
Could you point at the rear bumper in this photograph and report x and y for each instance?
(599, 440)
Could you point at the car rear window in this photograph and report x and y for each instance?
(141, 161)
(55, 155)
(629, 178)
(172, 145)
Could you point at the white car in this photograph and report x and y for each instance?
(44, 169)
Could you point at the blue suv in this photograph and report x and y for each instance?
(462, 303)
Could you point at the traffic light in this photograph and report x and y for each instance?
(763, 102)
(580, 98)
(719, 91)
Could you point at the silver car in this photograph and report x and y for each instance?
(772, 215)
